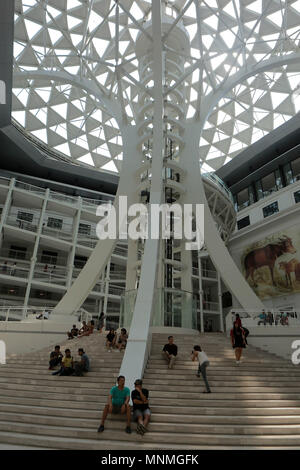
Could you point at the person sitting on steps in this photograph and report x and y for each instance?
(118, 403)
(84, 328)
(141, 410)
(122, 341)
(83, 365)
(263, 318)
(111, 338)
(55, 357)
(67, 367)
(88, 330)
(170, 352)
(73, 333)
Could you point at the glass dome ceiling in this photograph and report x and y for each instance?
(95, 39)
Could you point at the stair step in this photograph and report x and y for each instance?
(152, 437)
(230, 367)
(73, 425)
(83, 418)
(175, 374)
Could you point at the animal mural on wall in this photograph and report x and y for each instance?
(272, 265)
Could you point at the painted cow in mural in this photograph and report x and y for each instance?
(267, 256)
(289, 267)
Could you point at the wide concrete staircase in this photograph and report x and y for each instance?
(253, 405)
(45, 411)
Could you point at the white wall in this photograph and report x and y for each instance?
(26, 336)
(279, 343)
(25, 342)
(275, 340)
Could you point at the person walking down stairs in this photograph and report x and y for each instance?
(198, 354)
(170, 352)
(118, 403)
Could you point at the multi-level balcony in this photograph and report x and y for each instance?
(76, 237)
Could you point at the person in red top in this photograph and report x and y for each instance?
(238, 341)
(237, 321)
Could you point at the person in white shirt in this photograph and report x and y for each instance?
(202, 358)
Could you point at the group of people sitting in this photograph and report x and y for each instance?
(118, 403)
(268, 318)
(67, 366)
(85, 330)
(119, 396)
(113, 341)
(43, 315)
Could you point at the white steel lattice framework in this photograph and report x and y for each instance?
(163, 90)
(93, 40)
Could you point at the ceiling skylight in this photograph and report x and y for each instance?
(89, 39)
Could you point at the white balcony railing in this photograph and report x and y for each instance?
(53, 276)
(54, 195)
(4, 181)
(272, 318)
(19, 313)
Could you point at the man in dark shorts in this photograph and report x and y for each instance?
(73, 333)
(83, 365)
(141, 410)
(118, 403)
(170, 352)
(55, 358)
(122, 341)
(111, 338)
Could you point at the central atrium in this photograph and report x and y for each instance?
(150, 180)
